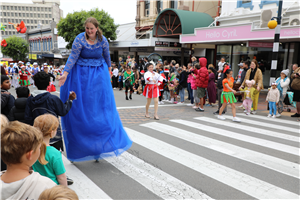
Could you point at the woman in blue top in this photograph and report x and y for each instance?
(92, 129)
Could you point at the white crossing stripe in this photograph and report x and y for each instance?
(276, 120)
(277, 164)
(83, 186)
(250, 128)
(155, 180)
(238, 136)
(268, 125)
(247, 184)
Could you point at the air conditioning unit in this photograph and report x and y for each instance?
(294, 20)
(266, 16)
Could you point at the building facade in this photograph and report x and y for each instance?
(241, 33)
(40, 12)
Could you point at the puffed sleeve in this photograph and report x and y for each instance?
(76, 50)
(106, 53)
(147, 77)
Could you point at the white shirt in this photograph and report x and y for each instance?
(221, 65)
(115, 72)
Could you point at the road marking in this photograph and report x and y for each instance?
(155, 180)
(268, 125)
(270, 119)
(83, 186)
(237, 136)
(151, 106)
(247, 184)
(277, 164)
(250, 128)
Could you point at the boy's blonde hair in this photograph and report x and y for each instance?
(46, 123)
(58, 192)
(18, 139)
(4, 122)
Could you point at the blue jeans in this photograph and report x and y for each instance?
(272, 107)
(181, 94)
(190, 91)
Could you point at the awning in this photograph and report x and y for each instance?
(48, 55)
(174, 22)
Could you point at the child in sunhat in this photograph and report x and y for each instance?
(273, 99)
(24, 77)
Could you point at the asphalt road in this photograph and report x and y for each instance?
(192, 155)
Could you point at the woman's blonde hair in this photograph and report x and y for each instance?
(4, 122)
(58, 192)
(211, 65)
(46, 124)
(94, 21)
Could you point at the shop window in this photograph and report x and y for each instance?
(147, 7)
(174, 4)
(159, 6)
(262, 3)
(245, 4)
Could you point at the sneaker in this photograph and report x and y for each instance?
(175, 102)
(195, 107)
(241, 106)
(269, 115)
(162, 102)
(69, 181)
(180, 103)
(247, 113)
(278, 115)
(189, 104)
(274, 116)
(199, 109)
(159, 103)
(115, 88)
(221, 117)
(253, 112)
(207, 105)
(235, 119)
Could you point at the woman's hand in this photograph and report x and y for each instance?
(258, 88)
(62, 79)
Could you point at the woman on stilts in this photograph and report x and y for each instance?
(92, 129)
(153, 80)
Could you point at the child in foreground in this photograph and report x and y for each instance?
(54, 169)
(273, 99)
(20, 149)
(59, 192)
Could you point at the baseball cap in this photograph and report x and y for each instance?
(241, 64)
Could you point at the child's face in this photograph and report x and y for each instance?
(5, 85)
(274, 86)
(249, 85)
(46, 69)
(229, 75)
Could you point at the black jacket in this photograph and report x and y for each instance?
(45, 103)
(219, 82)
(243, 75)
(18, 111)
(183, 79)
(7, 102)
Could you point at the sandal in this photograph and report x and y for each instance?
(147, 116)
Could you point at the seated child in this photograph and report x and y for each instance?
(273, 99)
(249, 91)
(7, 100)
(20, 149)
(41, 102)
(18, 111)
(4, 123)
(54, 169)
(59, 192)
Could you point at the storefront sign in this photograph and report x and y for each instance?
(167, 49)
(141, 49)
(175, 44)
(33, 56)
(261, 44)
(39, 56)
(185, 52)
(161, 44)
(134, 43)
(236, 33)
(115, 44)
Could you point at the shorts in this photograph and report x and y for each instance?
(200, 92)
(296, 97)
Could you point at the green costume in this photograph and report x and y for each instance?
(131, 77)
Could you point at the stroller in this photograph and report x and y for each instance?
(288, 101)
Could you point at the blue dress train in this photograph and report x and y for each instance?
(92, 129)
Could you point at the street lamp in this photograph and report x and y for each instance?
(277, 25)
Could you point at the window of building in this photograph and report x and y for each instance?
(27, 9)
(32, 27)
(262, 3)
(6, 33)
(23, 14)
(43, 21)
(8, 14)
(19, 7)
(174, 4)
(5, 20)
(159, 6)
(20, 14)
(31, 21)
(27, 14)
(12, 20)
(4, 13)
(30, 8)
(49, 9)
(34, 14)
(147, 7)
(34, 8)
(42, 15)
(50, 15)
(16, 8)
(245, 4)
(23, 8)
(9, 32)
(38, 9)
(4, 7)
(47, 22)
(7, 7)
(42, 9)
(28, 21)
(11, 7)
(46, 15)
(31, 15)
(39, 15)
(35, 21)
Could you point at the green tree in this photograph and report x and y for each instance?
(16, 48)
(73, 24)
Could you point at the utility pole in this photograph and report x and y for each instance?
(276, 45)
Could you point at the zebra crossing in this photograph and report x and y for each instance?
(258, 159)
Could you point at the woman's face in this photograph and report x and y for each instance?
(209, 71)
(253, 65)
(90, 30)
(150, 68)
(282, 76)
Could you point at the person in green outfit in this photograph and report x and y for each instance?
(128, 82)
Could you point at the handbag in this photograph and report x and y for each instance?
(127, 83)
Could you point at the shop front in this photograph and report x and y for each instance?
(241, 42)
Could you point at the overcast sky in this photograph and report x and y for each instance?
(123, 11)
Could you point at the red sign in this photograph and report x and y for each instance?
(261, 44)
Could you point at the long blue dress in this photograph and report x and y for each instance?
(92, 129)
